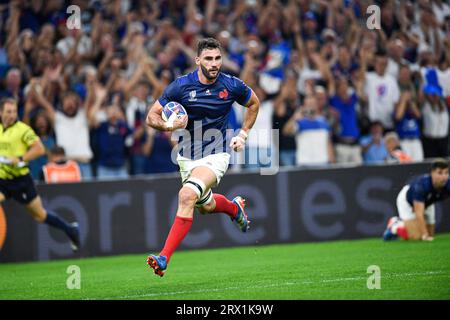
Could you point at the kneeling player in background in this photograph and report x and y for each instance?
(20, 144)
(415, 205)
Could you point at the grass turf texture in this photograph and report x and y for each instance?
(326, 270)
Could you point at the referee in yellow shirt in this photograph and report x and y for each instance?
(18, 145)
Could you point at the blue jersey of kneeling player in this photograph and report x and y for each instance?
(208, 107)
(421, 189)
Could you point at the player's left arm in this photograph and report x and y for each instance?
(419, 210)
(251, 112)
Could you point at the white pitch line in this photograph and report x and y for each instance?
(290, 283)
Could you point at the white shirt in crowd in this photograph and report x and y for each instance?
(441, 13)
(392, 68)
(66, 44)
(135, 105)
(307, 74)
(435, 122)
(383, 94)
(312, 147)
(416, 29)
(72, 133)
(312, 142)
(261, 133)
(444, 81)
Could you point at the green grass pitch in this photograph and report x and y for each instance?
(326, 270)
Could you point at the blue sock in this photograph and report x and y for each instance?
(57, 222)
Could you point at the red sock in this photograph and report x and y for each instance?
(224, 205)
(178, 232)
(402, 232)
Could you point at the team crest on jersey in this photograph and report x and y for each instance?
(223, 94)
(192, 95)
(208, 92)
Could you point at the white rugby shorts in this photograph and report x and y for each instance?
(406, 212)
(217, 162)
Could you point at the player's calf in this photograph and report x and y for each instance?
(411, 231)
(223, 205)
(38, 212)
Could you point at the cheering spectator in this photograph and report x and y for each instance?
(345, 66)
(136, 110)
(313, 136)
(348, 149)
(435, 118)
(111, 135)
(408, 116)
(396, 51)
(13, 89)
(72, 130)
(42, 126)
(135, 114)
(285, 105)
(444, 72)
(381, 91)
(395, 153)
(373, 148)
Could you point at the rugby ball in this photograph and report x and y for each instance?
(171, 111)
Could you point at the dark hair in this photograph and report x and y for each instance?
(4, 101)
(33, 121)
(143, 83)
(376, 123)
(381, 52)
(57, 151)
(404, 66)
(70, 93)
(439, 163)
(208, 43)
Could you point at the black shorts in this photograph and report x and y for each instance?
(21, 189)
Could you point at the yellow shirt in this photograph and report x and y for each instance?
(14, 142)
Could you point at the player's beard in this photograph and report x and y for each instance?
(206, 73)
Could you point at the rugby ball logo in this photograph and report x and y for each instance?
(171, 111)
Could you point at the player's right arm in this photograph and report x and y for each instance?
(155, 120)
(419, 210)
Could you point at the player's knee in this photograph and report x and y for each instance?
(187, 197)
(207, 208)
(414, 236)
(203, 210)
(39, 216)
(38, 213)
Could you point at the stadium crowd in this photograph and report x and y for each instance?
(337, 90)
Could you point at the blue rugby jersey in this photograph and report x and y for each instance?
(408, 127)
(208, 107)
(421, 189)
